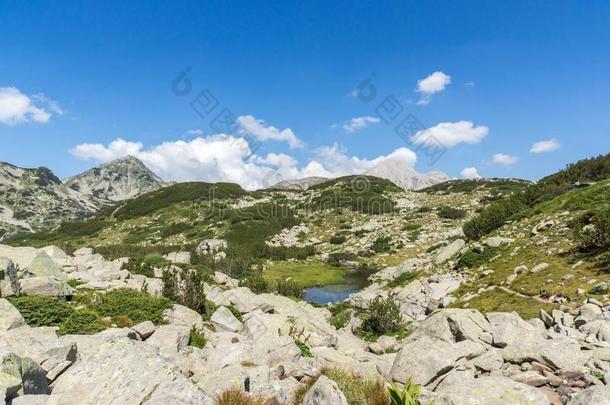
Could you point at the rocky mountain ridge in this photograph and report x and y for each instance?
(118, 180)
(34, 199)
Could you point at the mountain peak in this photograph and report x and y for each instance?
(117, 180)
(404, 176)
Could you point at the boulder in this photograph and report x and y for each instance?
(47, 286)
(324, 392)
(9, 386)
(225, 319)
(450, 250)
(170, 338)
(10, 318)
(32, 400)
(440, 357)
(598, 395)
(33, 377)
(180, 315)
(178, 257)
(539, 267)
(144, 329)
(126, 371)
(209, 246)
(490, 390)
(497, 241)
(9, 281)
(223, 279)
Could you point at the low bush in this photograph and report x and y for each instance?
(135, 305)
(408, 395)
(81, 322)
(591, 231)
(337, 239)
(382, 244)
(338, 258)
(197, 339)
(186, 288)
(446, 212)
(475, 257)
(256, 283)
(42, 311)
(341, 314)
(289, 288)
(383, 316)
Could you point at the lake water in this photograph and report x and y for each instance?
(354, 282)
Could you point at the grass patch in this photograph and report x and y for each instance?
(357, 390)
(306, 275)
(501, 301)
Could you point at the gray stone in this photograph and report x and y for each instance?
(182, 316)
(144, 329)
(598, 395)
(539, 267)
(170, 338)
(10, 318)
(225, 319)
(9, 386)
(46, 286)
(32, 400)
(449, 251)
(490, 390)
(33, 377)
(324, 392)
(178, 257)
(125, 372)
(497, 241)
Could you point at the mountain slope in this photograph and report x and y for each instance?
(118, 180)
(33, 199)
(405, 176)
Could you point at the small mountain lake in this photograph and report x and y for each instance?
(354, 282)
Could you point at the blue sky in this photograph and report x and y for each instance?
(510, 74)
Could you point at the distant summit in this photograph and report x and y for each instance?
(404, 176)
(300, 184)
(118, 180)
(33, 199)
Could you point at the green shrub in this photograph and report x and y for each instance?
(475, 257)
(81, 322)
(403, 279)
(451, 213)
(197, 339)
(289, 288)
(186, 288)
(382, 244)
(42, 311)
(383, 317)
(592, 231)
(135, 305)
(338, 258)
(256, 283)
(235, 312)
(341, 319)
(337, 239)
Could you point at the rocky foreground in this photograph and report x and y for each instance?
(459, 356)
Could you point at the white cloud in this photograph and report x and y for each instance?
(250, 125)
(115, 149)
(333, 161)
(432, 84)
(195, 131)
(545, 146)
(504, 159)
(227, 158)
(470, 173)
(449, 134)
(51, 104)
(16, 107)
(358, 123)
